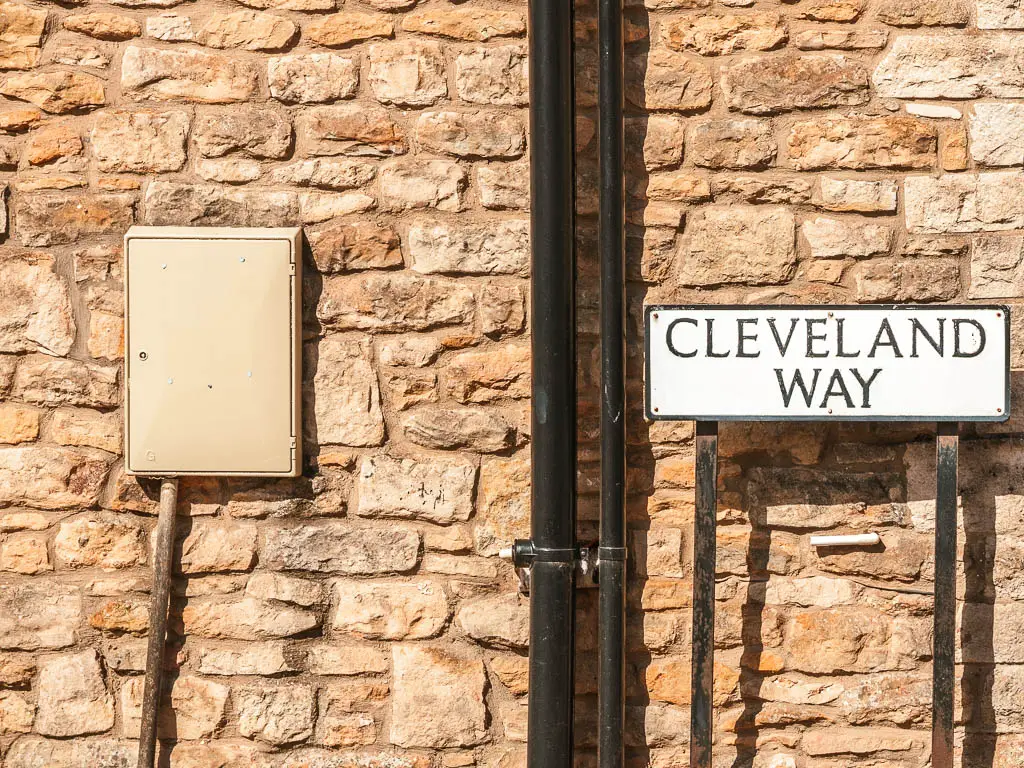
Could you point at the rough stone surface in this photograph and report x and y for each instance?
(668, 80)
(732, 144)
(139, 141)
(211, 547)
(339, 548)
(255, 133)
(51, 478)
(35, 752)
(249, 30)
(766, 85)
(398, 303)
(502, 248)
(438, 699)
(493, 75)
(348, 27)
(352, 130)
(938, 67)
(158, 74)
(901, 13)
(59, 217)
(107, 540)
(312, 78)
(35, 308)
(345, 397)
(438, 492)
(247, 619)
(38, 615)
(468, 134)
(170, 203)
(73, 698)
(21, 35)
(715, 35)
(861, 143)
(996, 134)
(409, 73)
(973, 202)
(278, 715)
(56, 91)
(842, 238)
(407, 184)
(502, 621)
(996, 267)
(194, 709)
(406, 610)
(840, 194)
(45, 380)
(738, 244)
(475, 429)
(104, 26)
(473, 24)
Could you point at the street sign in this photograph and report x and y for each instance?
(822, 363)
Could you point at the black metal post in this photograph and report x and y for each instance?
(946, 491)
(611, 694)
(552, 550)
(703, 659)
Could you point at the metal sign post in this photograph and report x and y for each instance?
(944, 642)
(786, 363)
(702, 661)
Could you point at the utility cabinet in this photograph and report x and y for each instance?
(212, 351)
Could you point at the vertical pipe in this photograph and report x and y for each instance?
(612, 244)
(946, 482)
(553, 321)
(703, 659)
(162, 555)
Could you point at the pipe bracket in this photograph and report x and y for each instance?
(525, 554)
(611, 553)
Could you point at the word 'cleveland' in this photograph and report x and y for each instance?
(824, 338)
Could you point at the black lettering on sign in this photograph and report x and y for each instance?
(957, 351)
(839, 341)
(668, 337)
(744, 337)
(916, 328)
(813, 337)
(837, 388)
(711, 341)
(865, 386)
(887, 330)
(778, 341)
(797, 381)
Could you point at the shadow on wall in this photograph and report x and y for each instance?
(822, 653)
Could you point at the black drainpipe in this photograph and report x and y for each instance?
(611, 569)
(551, 553)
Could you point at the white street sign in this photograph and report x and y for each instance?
(841, 363)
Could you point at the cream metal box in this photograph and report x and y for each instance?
(212, 351)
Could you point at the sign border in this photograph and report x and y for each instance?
(652, 308)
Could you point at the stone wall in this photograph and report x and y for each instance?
(816, 151)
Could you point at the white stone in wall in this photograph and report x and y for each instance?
(951, 67)
(997, 266)
(73, 699)
(997, 134)
(965, 202)
(1000, 14)
(937, 111)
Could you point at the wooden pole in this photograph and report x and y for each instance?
(159, 599)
